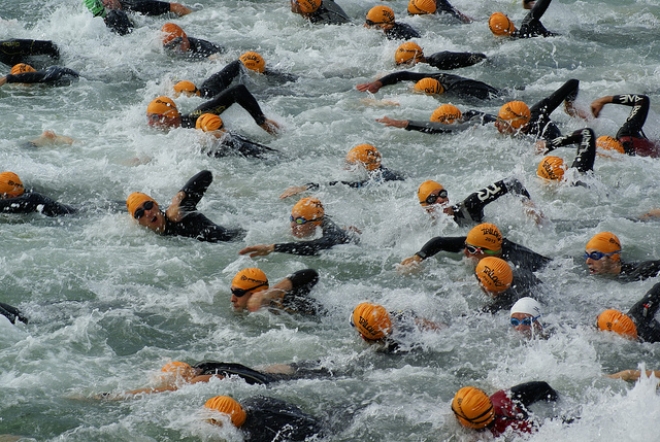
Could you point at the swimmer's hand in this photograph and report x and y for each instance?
(271, 127)
(372, 87)
(50, 138)
(532, 211)
(3, 80)
(179, 9)
(293, 190)
(650, 215)
(391, 122)
(410, 265)
(540, 146)
(598, 103)
(259, 250)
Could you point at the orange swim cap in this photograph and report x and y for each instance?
(209, 122)
(408, 52)
(372, 321)
(605, 242)
(430, 86)
(253, 61)
(162, 106)
(11, 185)
(170, 32)
(366, 155)
(494, 274)
(136, 199)
(416, 7)
(380, 15)
(473, 408)
(21, 68)
(447, 114)
(250, 278)
(229, 406)
(426, 188)
(551, 168)
(186, 87)
(515, 113)
(309, 208)
(500, 25)
(609, 143)
(179, 368)
(308, 6)
(486, 236)
(617, 322)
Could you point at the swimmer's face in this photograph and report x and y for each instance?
(503, 127)
(163, 122)
(526, 325)
(240, 303)
(603, 266)
(151, 217)
(477, 253)
(112, 4)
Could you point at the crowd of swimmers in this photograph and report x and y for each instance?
(505, 271)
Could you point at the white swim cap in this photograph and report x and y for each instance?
(528, 306)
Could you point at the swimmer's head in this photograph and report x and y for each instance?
(524, 317)
(187, 88)
(605, 242)
(162, 113)
(512, 117)
(228, 406)
(617, 322)
(306, 215)
(551, 168)
(500, 25)
(179, 369)
(417, 7)
(607, 143)
(307, 6)
(11, 185)
(372, 321)
(173, 37)
(409, 53)
(494, 274)
(247, 282)
(446, 114)
(365, 155)
(209, 123)
(21, 68)
(484, 239)
(253, 61)
(429, 86)
(431, 194)
(380, 15)
(473, 408)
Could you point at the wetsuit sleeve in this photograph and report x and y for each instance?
(540, 112)
(238, 94)
(195, 189)
(146, 7)
(249, 148)
(118, 22)
(50, 75)
(303, 281)
(530, 392)
(221, 80)
(401, 31)
(12, 313)
(396, 77)
(443, 6)
(16, 51)
(332, 236)
(475, 203)
(452, 244)
(531, 25)
(330, 13)
(203, 48)
(430, 127)
(523, 257)
(296, 300)
(640, 109)
(281, 77)
(452, 60)
(270, 419)
(586, 151)
(34, 202)
(226, 369)
(475, 116)
(639, 271)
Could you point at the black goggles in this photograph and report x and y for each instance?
(139, 213)
(239, 293)
(431, 199)
(373, 23)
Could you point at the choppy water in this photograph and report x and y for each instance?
(110, 303)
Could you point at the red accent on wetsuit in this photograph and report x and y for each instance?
(508, 414)
(643, 146)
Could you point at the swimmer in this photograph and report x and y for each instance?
(250, 291)
(176, 42)
(307, 216)
(12, 313)
(52, 76)
(320, 11)
(483, 240)
(603, 257)
(382, 17)
(181, 218)
(501, 26)
(22, 50)
(15, 199)
(553, 168)
(444, 119)
(363, 156)
(114, 14)
(222, 142)
(525, 316)
(503, 284)
(423, 7)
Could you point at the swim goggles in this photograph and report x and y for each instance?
(597, 256)
(372, 23)
(300, 220)
(239, 293)
(431, 199)
(515, 322)
(473, 250)
(139, 213)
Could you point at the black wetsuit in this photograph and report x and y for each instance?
(471, 209)
(53, 76)
(638, 271)
(586, 151)
(643, 314)
(18, 50)
(631, 134)
(31, 202)
(303, 370)
(444, 7)
(446, 60)
(296, 299)
(12, 313)
(518, 255)
(523, 283)
(118, 21)
(452, 84)
(221, 80)
(235, 94)
(539, 125)
(271, 420)
(329, 13)
(194, 224)
(380, 175)
(146, 7)
(531, 25)
(332, 236)
(469, 119)
(401, 31)
(232, 143)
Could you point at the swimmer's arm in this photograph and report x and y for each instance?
(3, 80)
(258, 250)
(391, 122)
(50, 138)
(372, 87)
(598, 104)
(633, 375)
(179, 9)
